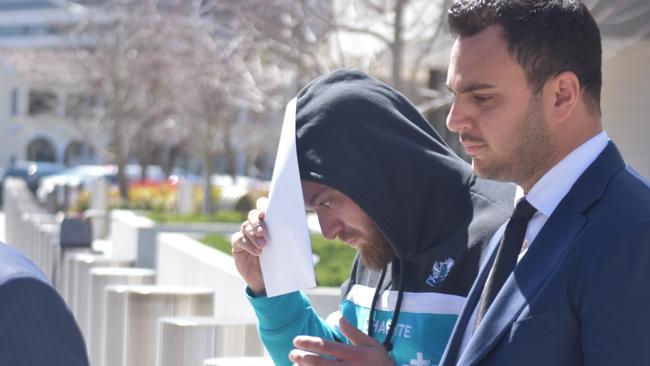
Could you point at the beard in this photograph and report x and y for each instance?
(530, 145)
(376, 255)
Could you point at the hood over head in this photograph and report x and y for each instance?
(364, 139)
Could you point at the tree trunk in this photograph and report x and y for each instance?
(398, 45)
(120, 162)
(229, 150)
(208, 162)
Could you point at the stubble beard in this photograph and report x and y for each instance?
(376, 255)
(530, 150)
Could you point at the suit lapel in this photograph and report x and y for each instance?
(523, 284)
(543, 256)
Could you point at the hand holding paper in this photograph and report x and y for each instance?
(248, 244)
(276, 254)
(287, 261)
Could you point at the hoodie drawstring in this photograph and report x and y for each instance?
(378, 290)
(400, 294)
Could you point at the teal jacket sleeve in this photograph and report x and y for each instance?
(282, 318)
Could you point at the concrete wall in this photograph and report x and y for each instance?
(131, 234)
(626, 103)
(133, 237)
(182, 260)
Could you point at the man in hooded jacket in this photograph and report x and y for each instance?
(364, 150)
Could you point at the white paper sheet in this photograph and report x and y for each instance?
(287, 261)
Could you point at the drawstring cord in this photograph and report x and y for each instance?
(374, 302)
(400, 294)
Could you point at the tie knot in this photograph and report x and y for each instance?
(524, 211)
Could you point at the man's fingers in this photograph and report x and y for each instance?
(240, 243)
(255, 220)
(261, 204)
(357, 337)
(253, 217)
(254, 233)
(251, 233)
(303, 358)
(323, 347)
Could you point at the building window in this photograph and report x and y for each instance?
(42, 102)
(41, 149)
(14, 102)
(79, 152)
(79, 105)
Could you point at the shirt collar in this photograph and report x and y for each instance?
(549, 190)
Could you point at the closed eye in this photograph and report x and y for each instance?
(325, 204)
(481, 98)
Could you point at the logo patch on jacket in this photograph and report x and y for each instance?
(439, 272)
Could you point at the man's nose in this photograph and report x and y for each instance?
(330, 227)
(457, 119)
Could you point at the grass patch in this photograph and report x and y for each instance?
(335, 257)
(219, 216)
(218, 242)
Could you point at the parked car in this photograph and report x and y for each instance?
(155, 174)
(32, 172)
(179, 175)
(224, 180)
(75, 176)
(81, 175)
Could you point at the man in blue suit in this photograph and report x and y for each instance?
(36, 327)
(567, 280)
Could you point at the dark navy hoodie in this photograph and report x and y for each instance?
(364, 139)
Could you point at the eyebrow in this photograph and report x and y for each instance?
(471, 87)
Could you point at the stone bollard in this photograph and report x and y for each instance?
(66, 282)
(190, 340)
(132, 318)
(98, 208)
(81, 285)
(185, 198)
(28, 240)
(100, 278)
(49, 239)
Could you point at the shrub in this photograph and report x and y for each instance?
(335, 262)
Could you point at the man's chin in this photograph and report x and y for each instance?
(487, 171)
(375, 264)
(479, 168)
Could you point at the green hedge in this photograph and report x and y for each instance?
(335, 257)
(219, 216)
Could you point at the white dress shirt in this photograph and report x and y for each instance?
(546, 195)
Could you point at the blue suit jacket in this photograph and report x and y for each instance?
(581, 294)
(36, 327)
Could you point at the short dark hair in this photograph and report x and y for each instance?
(546, 37)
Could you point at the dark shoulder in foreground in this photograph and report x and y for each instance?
(36, 326)
(14, 264)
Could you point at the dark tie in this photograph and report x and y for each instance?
(506, 259)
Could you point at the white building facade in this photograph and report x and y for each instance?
(33, 121)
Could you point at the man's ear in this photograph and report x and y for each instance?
(564, 93)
